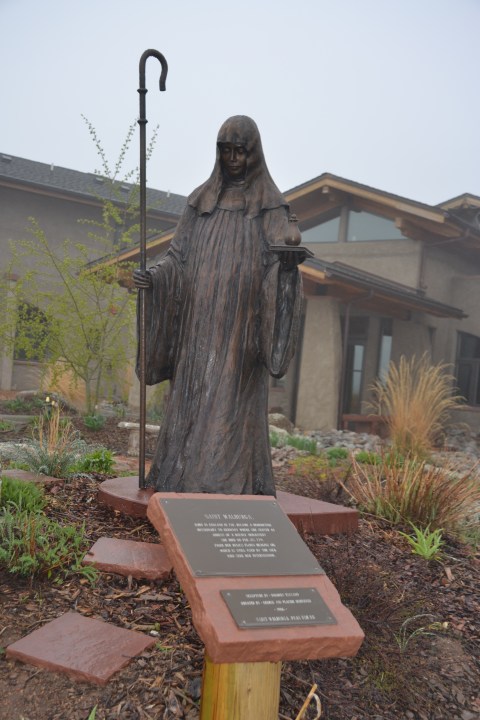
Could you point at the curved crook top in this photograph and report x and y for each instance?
(163, 63)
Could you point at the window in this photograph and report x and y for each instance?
(468, 367)
(325, 232)
(385, 347)
(363, 226)
(354, 364)
(31, 333)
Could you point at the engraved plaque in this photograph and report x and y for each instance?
(238, 537)
(277, 607)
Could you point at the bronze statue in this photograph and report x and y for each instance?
(223, 310)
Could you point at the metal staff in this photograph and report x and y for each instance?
(143, 243)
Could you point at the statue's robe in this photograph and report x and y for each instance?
(222, 313)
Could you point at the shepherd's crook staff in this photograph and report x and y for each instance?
(143, 242)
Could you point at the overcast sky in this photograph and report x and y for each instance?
(383, 92)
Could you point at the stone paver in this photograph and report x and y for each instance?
(27, 476)
(83, 648)
(127, 557)
(308, 515)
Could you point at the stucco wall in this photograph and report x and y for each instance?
(397, 260)
(320, 367)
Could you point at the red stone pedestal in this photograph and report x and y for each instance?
(224, 641)
(309, 516)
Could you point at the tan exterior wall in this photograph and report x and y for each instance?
(320, 367)
(397, 260)
(26, 375)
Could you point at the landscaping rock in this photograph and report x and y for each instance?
(280, 421)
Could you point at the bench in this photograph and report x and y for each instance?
(134, 435)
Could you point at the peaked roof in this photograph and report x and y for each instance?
(359, 286)
(16, 171)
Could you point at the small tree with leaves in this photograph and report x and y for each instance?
(72, 312)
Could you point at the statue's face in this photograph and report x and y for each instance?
(234, 160)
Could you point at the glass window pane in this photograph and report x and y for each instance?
(364, 226)
(325, 232)
(385, 354)
(464, 375)
(469, 346)
(358, 357)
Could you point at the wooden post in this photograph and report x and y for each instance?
(240, 691)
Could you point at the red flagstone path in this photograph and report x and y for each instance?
(83, 648)
(311, 516)
(141, 560)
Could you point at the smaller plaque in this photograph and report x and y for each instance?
(277, 607)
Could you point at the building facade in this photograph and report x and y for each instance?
(389, 277)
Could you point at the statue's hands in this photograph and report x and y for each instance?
(142, 279)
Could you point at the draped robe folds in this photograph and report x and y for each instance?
(221, 314)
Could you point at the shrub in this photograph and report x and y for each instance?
(24, 405)
(310, 467)
(302, 443)
(6, 426)
(416, 399)
(23, 495)
(297, 441)
(56, 449)
(336, 453)
(100, 461)
(275, 440)
(367, 458)
(32, 545)
(94, 422)
(425, 543)
(414, 492)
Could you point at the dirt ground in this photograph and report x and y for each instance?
(397, 674)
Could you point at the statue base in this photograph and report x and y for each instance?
(315, 517)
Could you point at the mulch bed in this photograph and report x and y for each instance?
(418, 677)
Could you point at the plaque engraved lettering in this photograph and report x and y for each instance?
(238, 537)
(255, 608)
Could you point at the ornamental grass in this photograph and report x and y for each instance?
(418, 493)
(416, 399)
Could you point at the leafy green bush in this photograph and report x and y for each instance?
(6, 426)
(23, 495)
(32, 545)
(94, 422)
(336, 453)
(24, 405)
(311, 467)
(364, 457)
(100, 461)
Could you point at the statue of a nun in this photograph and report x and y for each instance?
(223, 312)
